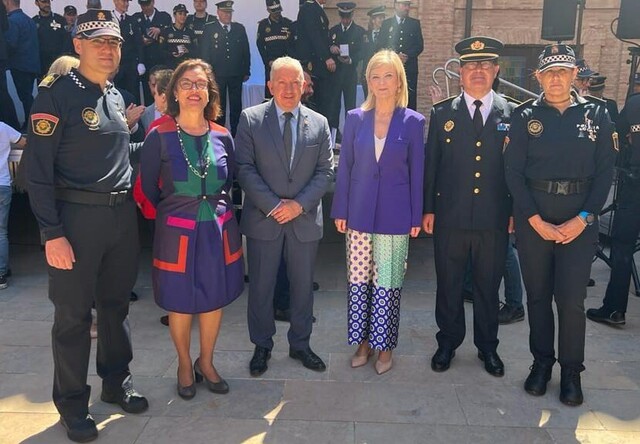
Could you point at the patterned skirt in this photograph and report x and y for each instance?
(376, 265)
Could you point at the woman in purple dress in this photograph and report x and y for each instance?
(186, 171)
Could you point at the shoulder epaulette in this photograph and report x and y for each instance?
(444, 100)
(594, 99)
(511, 99)
(525, 104)
(49, 80)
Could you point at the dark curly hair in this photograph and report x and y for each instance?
(212, 110)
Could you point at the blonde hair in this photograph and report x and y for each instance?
(63, 64)
(387, 57)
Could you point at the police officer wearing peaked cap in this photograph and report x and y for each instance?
(51, 34)
(197, 21)
(558, 163)
(177, 40)
(82, 202)
(275, 39)
(467, 206)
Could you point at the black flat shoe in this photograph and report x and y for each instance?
(539, 376)
(221, 387)
(80, 429)
(441, 360)
(570, 388)
(258, 364)
(186, 392)
(492, 363)
(309, 359)
(164, 320)
(126, 397)
(133, 296)
(605, 316)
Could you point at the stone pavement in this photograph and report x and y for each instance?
(289, 404)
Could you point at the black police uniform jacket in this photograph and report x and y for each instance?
(369, 48)
(629, 129)
(197, 25)
(132, 47)
(354, 37)
(545, 145)
(313, 42)
(52, 38)
(78, 139)
(178, 45)
(464, 174)
(153, 53)
(274, 39)
(405, 38)
(227, 52)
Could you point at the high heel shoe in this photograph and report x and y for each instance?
(360, 360)
(221, 387)
(186, 392)
(383, 367)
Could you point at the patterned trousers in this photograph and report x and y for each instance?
(376, 265)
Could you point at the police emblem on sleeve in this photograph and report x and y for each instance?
(90, 118)
(535, 128)
(44, 124)
(448, 126)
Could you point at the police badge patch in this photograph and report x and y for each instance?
(535, 128)
(44, 124)
(448, 126)
(90, 118)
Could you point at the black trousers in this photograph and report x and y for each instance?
(127, 78)
(105, 244)
(412, 83)
(7, 110)
(625, 231)
(23, 82)
(322, 87)
(556, 272)
(487, 250)
(345, 84)
(231, 86)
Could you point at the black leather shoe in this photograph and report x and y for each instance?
(316, 286)
(492, 363)
(509, 314)
(606, 316)
(188, 391)
(258, 364)
(282, 315)
(539, 376)
(126, 397)
(570, 387)
(133, 296)
(80, 429)
(309, 359)
(442, 359)
(221, 387)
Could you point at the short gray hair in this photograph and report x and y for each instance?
(285, 62)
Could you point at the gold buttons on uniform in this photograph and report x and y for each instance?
(478, 158)
(476, 191)
(448, 141)
(477, 174)
(478, 143)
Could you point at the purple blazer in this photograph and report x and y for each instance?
(382, 197)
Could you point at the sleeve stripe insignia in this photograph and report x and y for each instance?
(616, 142)
(44, 124)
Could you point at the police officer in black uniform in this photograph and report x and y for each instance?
(226, 47)
(313, 46)
(466, 203)
(51, 34)
(596, 89)
(403, 35)
(626, 218)
(376, 17)
(132, 60)
(274, 39)
(345, 80)
(178, 41)
(197, 21)
(151, 22)
(559, 164)
(79, 182)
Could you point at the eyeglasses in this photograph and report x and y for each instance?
(186, 84)
(99, 42)
(485, 64)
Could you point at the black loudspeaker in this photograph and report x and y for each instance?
(559, 20)
(629, 20)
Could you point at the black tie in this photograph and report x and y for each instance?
(375, 36)
(226, 28)
(287, 137)
(477, 117)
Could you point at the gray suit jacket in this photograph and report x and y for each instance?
(148, 116)
(265, 178)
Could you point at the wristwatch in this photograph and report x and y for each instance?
(587, 218)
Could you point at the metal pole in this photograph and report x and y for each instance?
(581, 6)
(467, 18)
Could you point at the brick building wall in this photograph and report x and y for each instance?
(515, 22)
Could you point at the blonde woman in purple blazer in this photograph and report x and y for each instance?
(378, 204)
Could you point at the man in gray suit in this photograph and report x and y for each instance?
(285, 166)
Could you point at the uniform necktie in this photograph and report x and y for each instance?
(477, 117)
(287, 137)
(226, 28)
(375, 36)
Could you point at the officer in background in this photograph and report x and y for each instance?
(313, 47)
(197, 21)
(132, 60)
(151, 22)
(70, 15)
(226, 47)
(347, 39)
(596, 89)
(467, 205)
(581, 82)
(626, 218)
(178, 41)
(82, 201)
(376, 17)
(51, 34)
(274, 39)
(403, 35)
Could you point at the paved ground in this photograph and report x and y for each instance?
(289, 404)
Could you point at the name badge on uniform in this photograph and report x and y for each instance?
(504, 126)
